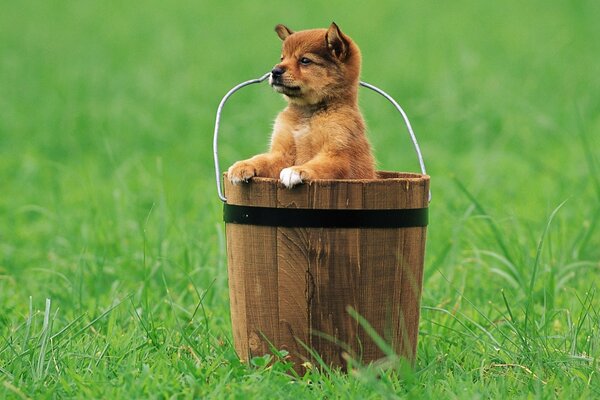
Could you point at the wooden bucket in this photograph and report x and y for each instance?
(291, 283)
(300, 259)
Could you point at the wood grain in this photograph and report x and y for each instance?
(293, 264)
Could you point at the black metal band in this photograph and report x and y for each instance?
(325, 218)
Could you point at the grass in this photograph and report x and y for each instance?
(112, 261)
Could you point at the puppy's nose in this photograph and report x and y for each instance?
(277, 72)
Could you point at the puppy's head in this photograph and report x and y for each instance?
(317, 65)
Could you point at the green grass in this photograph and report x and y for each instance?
(113, 276)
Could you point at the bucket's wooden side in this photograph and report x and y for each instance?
(318, 254)
(252, 270)
(377, 272)
(293, 286)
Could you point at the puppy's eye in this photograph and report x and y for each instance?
(305, 61)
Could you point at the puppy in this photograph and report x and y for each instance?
(321, 133)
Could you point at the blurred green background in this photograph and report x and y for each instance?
(106, 122)
(96, 83)
(99, 98)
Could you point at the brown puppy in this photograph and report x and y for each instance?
(321, 133)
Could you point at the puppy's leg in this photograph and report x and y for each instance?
(266, 165)
(323, 166)
(241, 171)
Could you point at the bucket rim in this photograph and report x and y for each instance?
(382, 177)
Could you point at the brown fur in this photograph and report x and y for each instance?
(321, 133)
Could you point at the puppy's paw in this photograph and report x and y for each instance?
(241, 171)
(290, 177)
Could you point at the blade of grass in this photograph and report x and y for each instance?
(538, 255)
(481, 314)
(581, 242)
(513, 324)
(12, 388)
(493, 227)
(379, 341)
(28, 325)
(586, 303)
(39, 369)
(513, 276)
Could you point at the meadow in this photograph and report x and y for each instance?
(113, 276)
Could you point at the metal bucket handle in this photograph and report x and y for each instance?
(262, 79)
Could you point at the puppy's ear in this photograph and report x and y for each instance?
(337, 43)
(283, 31)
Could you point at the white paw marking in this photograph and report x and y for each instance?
(289, 177)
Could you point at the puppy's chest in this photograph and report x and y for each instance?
(304, 132)
(301, 131)
(306, 141)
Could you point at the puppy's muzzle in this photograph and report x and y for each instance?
(276, 74)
